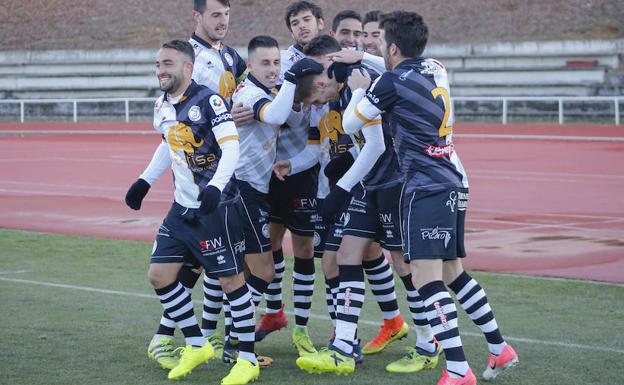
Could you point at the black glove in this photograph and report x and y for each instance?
(209, 198)
(338, 166)
(340, 71)
(334, 204)
(303, 67)
(136, 193)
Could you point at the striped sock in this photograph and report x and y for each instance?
(257, 287)
(167, 326)
(177, 303)
(381, 281)
(424, 334)
(350, 301)
(303, 288)
(243, 316)
(187, 277)
(442, 316)
(474, 301)
(273, 294)
(213, 302)
(331, 297)
(227, 319)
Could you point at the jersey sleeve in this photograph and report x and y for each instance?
(382, 93)
(220, 118)
(241, 68)
(251, 97)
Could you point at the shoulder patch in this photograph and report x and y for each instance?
(228, 58)
(217, 104)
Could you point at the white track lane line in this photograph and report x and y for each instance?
(561, 344)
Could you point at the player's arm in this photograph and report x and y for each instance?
(365, 109)
(160, 162)
(226, 136)
(304, 160)
(278, 110)
(349, 56)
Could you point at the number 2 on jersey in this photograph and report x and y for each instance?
(444, 129)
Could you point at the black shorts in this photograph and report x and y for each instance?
(328, 236)
(256, 219)
(433, 224)
(214, 241)
(293, 201)
(375, 215)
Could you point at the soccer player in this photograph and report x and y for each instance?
(217, 67)
(204, 224)
(414, 95)
(258, 148)
(347, 29)
(371, 34)
(292, 202)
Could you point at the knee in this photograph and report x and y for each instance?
(157, 278)
(303, 246)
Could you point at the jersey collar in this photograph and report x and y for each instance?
(205, 43)
(257, 83)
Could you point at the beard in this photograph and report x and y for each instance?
(172, 85)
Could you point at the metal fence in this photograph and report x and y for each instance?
(497, 107)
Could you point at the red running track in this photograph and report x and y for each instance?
(549, 207)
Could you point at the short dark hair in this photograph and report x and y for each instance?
(296, 8)
(200, 5)
(261, 41)
(407, 30)
(321, 45)
(182, 46)
(371, 16)
(305, 87)
(346, 14)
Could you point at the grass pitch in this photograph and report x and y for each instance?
(80, 311)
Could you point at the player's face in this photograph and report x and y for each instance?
(264, 65)
(383, 49)
(305, 27)
(325, 90)
(349, 33)
(372, 38)
(173, 70)
(213, 23)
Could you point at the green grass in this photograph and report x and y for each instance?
(63, 335)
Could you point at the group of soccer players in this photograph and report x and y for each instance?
(346, 141)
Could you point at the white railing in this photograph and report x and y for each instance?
(503, 99)
(559, 99)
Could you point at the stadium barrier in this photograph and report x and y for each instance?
(471, 108)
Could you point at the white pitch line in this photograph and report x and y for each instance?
(321, 317)
(16, 272)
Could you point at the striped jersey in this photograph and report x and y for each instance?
(187, 128)
(257, 139)
(292, 139)
(219, 69)
(416, 101)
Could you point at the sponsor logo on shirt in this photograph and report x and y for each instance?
(217, 104)
(220, 260)
(440, 151)
(372, 97)
(437, 233)
(304, 203)
(223, 117)
(181, 137)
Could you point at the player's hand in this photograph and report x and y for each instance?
(136, 193)
(303, 67)
(242, 114)
(334, 204)
(281, 169)
(359, 79)
(339, 71)
(348, 56)
(338, 166)
(209, 198)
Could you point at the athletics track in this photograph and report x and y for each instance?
(545, 200)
